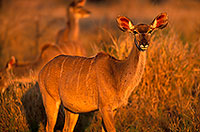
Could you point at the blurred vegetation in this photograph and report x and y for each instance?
(167, 98)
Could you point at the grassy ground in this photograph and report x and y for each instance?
(167, 98)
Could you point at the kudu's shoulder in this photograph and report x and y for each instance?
(102, 56)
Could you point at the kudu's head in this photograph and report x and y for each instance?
(142, 32)
(5, 73)
(77, 11)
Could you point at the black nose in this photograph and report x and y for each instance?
(144, 43)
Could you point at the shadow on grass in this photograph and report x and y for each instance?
(36, 116)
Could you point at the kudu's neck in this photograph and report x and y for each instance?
(73, 27)
(131, 71)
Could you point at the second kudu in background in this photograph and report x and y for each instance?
(27, 71)
(69, 35)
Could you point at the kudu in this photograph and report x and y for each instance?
(70, 34)
(99, 83)
(75, 12)
(14, 71)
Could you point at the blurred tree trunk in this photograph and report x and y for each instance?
(1, 4)
(157, 2)
(4, 3)
(37, 34)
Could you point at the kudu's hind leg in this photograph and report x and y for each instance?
(70, 121)
(51, 108)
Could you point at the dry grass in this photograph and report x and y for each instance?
(21, 108)
(167, 98)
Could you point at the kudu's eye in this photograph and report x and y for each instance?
(135, 32)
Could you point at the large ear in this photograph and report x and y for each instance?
(12, 62)
(160, 21)
(124, 23)
(81, 2)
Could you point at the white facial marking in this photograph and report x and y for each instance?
(143, 47)
(154, 24)
(130, 25)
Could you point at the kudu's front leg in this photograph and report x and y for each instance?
(108, 119)
(102, 129)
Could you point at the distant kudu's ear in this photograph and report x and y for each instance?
(81, 2)
(11, 63)
(125, 24)
(160, 21)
